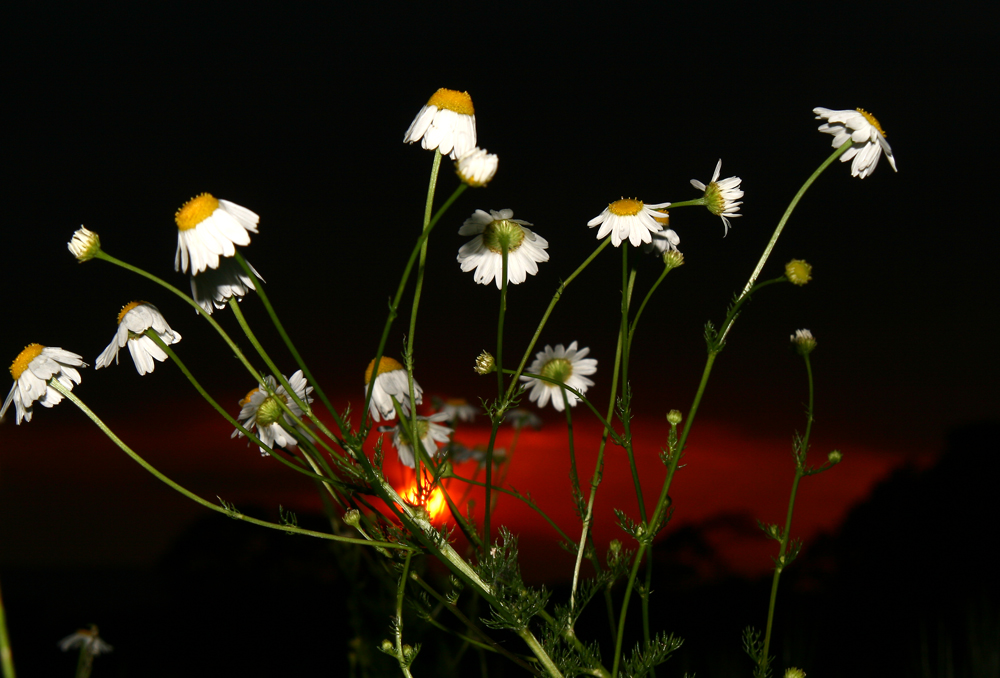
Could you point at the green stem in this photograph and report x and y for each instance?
(54, 383)
(517, 495)
(6, 657)
(624, 611)
(489, 484)
(399, 616)
(536, 647)
(501, 401)
(626, 400)
(642, 306)
(573, 476)
(614, 436)
(645, 605)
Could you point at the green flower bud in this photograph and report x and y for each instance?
(798, 272)
(834, 457)
(674, 417)
(803, 342)
(352, 517)
(485, 363)
(795, 673)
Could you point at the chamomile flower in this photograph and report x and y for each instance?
(519, 419)
(87, 639)
(213, 287)
(629, 219)
(722, 198)
(33, 369)
(390, 382)
(459, 409)
(803, 342)
(208, 228)
(263, 412)
(133, 321)
(84, 245)
(476, 167)
(447, 122)
(564, 365)
(484, 254)
(865, 133)
(429, 432)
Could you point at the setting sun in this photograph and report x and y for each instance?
(434, 502)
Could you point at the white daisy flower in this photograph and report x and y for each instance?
(390, 381)
(84, 245)
(722, 198)
(629, 219)
(459, 409)
(484, 254)
(263, 412)
(32, 370)
(213, 287)
(208, 228)
(88, 639)
(447, 122)
(519, 419)
(477, 167)
(133, 321)
(429, 431)
(864, 131)
(567, 366)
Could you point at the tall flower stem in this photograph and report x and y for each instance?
(6, 657)
(232, 513)
(501, 406)
(626, 399)
(399, 615)
(429, 204)
(573, 476)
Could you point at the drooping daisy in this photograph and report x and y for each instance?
(629, 219)
(208, 228)
(213, 287)
(88, 639)
(84, 245)
(722, 198)
(32, 370)
(263, 412)
(477, 167)
(390, 382)
(447, 122)
(564, 365)
(484, 254)
(429, 431)
(133, 321)
(865, 133)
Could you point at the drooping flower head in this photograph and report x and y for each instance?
(88, 640)
(84, 245)
(390, 382)
(476, 167)
(213, 287)
(32, 370)
(263, 412)
(458, 409)
(629, 219)
(565, 366)
(208, 228)
(722, 198)
(133, 321)
(429, 432)
(865, 133)
(484, 253)
(447, 122)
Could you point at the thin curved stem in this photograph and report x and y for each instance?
(6, 656)
(399, 616)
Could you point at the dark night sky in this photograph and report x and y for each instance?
(114, 118)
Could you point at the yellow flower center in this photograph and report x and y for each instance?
(558, 369)
(872, 121)
(626, 207)
(798, 272)
(664, 219)
(20, 364)
(248, 396)
(126, 308)
(453, 100)
(384, 365)
(195, 211)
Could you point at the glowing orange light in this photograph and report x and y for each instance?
(434, 503)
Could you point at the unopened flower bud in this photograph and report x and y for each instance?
(84, 245)
(485, 363)
(615, 547)
(674, 417)
(673, 259)
(834, 457)
(794, 673)
(407, 651)
(476, 167)
(798, 272)
(803, 342)
(387, 646)
(353, 517)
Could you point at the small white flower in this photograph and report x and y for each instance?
(263, 412)
(629, 219)
(459, 409)
(567, 366)
(722, 198)
(88, 639)
(208, 228)
(477, 167)
(32, 370)
(213, 287)
(447, 122)
(430, 433)
(519, 419)
(484, 254)
(390, 382)
(84, 245)
(133, 321)
(865, 133)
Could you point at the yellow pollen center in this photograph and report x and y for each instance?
(871, 119)
(453, 100)
(195, 211)
(20, 364)
(248, 396)
(126, 308)
(626, 207)
(384, 365)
